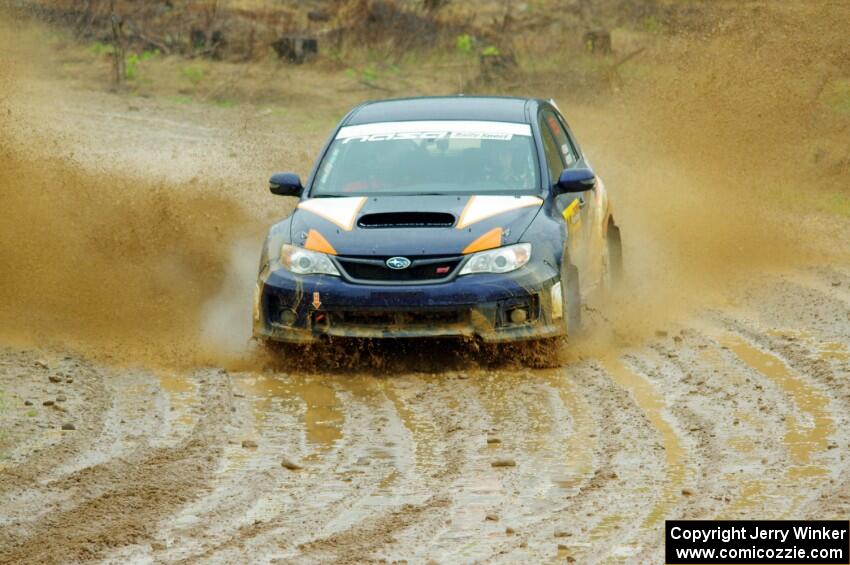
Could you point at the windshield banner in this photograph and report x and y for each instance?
(385, 131)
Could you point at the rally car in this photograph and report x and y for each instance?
(476, 217)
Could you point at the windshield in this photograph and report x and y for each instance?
(433, 157)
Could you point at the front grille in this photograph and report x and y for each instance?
(403, 319)
(422, 269)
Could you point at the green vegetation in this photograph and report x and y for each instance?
(180, 99)
(193, 74)
(131, 61)
(464, 44)
(370, 73)
(100, 48)
(131, 66)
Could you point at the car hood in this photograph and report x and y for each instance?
(411, 225)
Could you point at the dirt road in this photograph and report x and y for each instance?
(136, 426)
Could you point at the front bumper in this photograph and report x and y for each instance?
(302, 309)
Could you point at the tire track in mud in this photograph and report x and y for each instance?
(118, 501)
(529, 417)
(446, 449)
(519, 425)
(732, 467)
(805, 350)
(255, 501)
(537, 419)
(719, 448)
(618, 531)
(360, 470)
(132, 415)
(548, 480)
(595, 503)
(413, 506)
(28, 461)
(654, 406)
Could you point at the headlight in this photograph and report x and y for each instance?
(501, 260)
(305, 262)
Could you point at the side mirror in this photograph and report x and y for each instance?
(575, 180)
(286, 184)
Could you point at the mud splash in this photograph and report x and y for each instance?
(107, 262)
(715, 148)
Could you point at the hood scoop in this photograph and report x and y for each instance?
(407, 220)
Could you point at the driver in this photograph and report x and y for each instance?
(367, 168)
(506, 164)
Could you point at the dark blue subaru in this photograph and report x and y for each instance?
(446, 216)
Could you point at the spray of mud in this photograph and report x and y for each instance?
(712, 151)
(104, 261)
(163, 273)
(122, 268)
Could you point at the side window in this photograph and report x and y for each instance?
(553, 155)
(564, 145)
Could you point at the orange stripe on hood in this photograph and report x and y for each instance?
(317, 242)
(489, 240)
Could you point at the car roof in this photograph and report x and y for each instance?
(486, 108)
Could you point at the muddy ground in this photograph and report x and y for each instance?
(138, 424)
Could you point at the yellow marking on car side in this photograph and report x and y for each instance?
(572, 216)
(569, 212)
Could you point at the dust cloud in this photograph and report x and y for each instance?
(714, 159)
(105, 262)
(226, 316)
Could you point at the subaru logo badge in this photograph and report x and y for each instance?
(398, 263)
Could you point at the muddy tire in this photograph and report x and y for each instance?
(611, 273)
(614, 249)
(571, 299)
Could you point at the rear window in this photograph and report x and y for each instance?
(429, 157)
